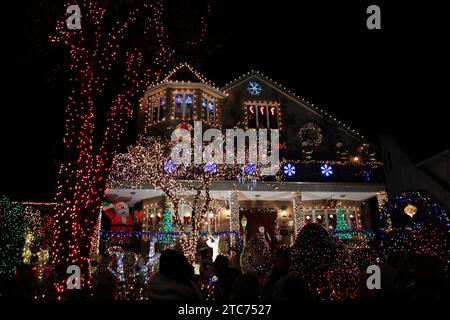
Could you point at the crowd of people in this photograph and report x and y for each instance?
(318, 267)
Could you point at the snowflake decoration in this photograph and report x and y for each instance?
(210, 168)
(289, 170)
(170, 166)
(326, 170)
(250, 168)
(254, 88)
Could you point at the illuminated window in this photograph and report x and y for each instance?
(179, 106)
(162, 106)
(262, 115)
(209, 109)
(184, 106)
(188, 106)
(157, 107)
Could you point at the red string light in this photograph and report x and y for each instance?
(96, 52)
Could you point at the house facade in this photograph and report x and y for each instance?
(328, 168)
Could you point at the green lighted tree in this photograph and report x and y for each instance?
(166, 226)
(12, 228)
(342, 225)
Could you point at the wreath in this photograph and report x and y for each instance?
(310, 135)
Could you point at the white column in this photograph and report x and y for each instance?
(234, 213)
(297, 212)
(357, 216)
(382, 198)
(146, 220)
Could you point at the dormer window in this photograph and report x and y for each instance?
(208, 109)
(262, 115)
(184, 106)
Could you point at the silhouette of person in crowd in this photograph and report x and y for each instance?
(174, 280)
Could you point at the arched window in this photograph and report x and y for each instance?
(184, 106)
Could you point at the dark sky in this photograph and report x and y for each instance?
(393, 80)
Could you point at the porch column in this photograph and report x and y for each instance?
(298, 212)
(234, 214)
(382, 198)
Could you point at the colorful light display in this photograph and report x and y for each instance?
(166, 226)
(12, 228)
(342, 225)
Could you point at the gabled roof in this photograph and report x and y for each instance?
(292, 96)
(184, 69)
(185, 74)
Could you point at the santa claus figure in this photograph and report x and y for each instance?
(121, 219)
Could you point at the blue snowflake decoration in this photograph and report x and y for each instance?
(289, 170)
(326, 170)
(170, 167)
(210, 168)
(250, 168)
(254, 88)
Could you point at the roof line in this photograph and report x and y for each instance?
(199, 76)
(164, 83)
(294, 97)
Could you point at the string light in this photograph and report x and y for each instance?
(341, 224)
(12, 228)
(293, 96)
(325, 263)
(256, 259)
(298, 211)
(382, 199)
(33, 232)
(434, 210)
(166, 226)
(234, 214)
(94, 52)
(144, 165)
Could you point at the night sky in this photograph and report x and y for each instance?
(393, 80)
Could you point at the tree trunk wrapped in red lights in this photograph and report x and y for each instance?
(120, 49)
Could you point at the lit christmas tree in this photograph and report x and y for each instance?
(342, 225)
(166, 227)
(12, 228)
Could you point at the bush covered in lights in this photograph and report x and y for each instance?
(325, 263)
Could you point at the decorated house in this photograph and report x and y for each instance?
(330, 173)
